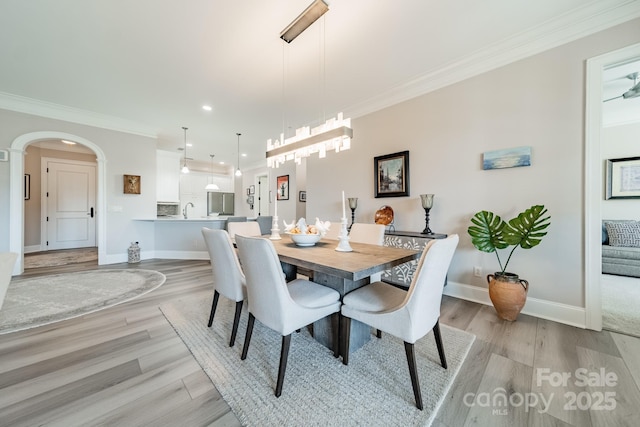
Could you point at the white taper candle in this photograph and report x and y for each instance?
(344, 214)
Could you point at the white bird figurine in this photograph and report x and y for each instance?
(322, 226)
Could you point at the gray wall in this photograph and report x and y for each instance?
(536, 102)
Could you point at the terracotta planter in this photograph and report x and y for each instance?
(508, 294)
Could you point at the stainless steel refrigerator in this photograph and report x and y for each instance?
(221, 203)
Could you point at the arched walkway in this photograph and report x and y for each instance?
(16, 202)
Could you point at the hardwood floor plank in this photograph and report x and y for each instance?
(23, 411)
(623, 411)
(501, 377)
(629, 348)
(513, 340)
(198, 384)
(56, 363)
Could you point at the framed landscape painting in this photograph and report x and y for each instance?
(391, 175)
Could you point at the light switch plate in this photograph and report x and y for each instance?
(4, 156)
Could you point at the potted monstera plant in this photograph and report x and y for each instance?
(490, 233)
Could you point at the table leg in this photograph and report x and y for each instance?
(324, 330)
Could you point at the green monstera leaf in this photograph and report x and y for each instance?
(527, 229)
(487, 232)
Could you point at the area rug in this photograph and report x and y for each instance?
(620, 302)
(374, 390)
(61, 257)
(42, 300)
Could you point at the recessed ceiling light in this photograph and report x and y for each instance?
(222, 163)
(244, 154)
(68, 142)
(189, 144)
(206, 107)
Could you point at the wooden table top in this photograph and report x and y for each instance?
(362, 262)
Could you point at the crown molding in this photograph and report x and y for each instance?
(578, 23)
(50, 110)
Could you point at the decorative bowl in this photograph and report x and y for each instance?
(384, 215)
(304, 239)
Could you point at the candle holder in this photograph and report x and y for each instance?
(344, 245)
(275, 231)
(353, 204)
(427, 204)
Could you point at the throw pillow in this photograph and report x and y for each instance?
(626, 234)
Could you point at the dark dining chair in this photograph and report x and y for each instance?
(228, 278)
(408, 315)
(281, 306)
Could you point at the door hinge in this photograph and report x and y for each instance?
(47, 194)
(47, 170)
(47, 243)
(47, 219)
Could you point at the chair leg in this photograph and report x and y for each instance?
(438, 337)
(247, 338)
(214, 304)
(236, 322)
(346, 333)
(336, 335)
(413, 372)
(284, 355)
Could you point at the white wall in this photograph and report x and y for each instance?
(125, 154)
(537, 102)
(617, 142)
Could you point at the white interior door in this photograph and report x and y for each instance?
(71, 201)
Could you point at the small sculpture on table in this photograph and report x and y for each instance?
(275, 231)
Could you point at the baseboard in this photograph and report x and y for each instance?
(32, 249)
(181, 255)
(557, 312)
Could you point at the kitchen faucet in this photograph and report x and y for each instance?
(184, 211)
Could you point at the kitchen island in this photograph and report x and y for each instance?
(178, 238)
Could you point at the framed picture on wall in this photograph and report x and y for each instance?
(283, 187)
(131, 184)
(302, 196)
(391, 175)
(623, 178)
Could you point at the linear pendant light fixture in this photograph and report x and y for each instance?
(238, 171)
(185, 169)
(334, 134)
(304, 20)
(211, 186)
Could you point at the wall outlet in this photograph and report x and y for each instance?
(477, 271)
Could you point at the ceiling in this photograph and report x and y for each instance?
(148, 66)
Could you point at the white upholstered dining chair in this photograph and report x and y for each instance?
(408, 315)
(228, 278)
(281, 306)
(7, 261)
(247, 228)
(372, 234)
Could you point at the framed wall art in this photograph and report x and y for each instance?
(507, 158)
(302, 196)
(283, 187)
(131, 184)
(623, 178)
(391, 175)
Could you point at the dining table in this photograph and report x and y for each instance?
(342, 271)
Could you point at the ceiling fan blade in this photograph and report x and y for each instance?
(633, 92)
(611, 99)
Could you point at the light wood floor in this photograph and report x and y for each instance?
(126, 366)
